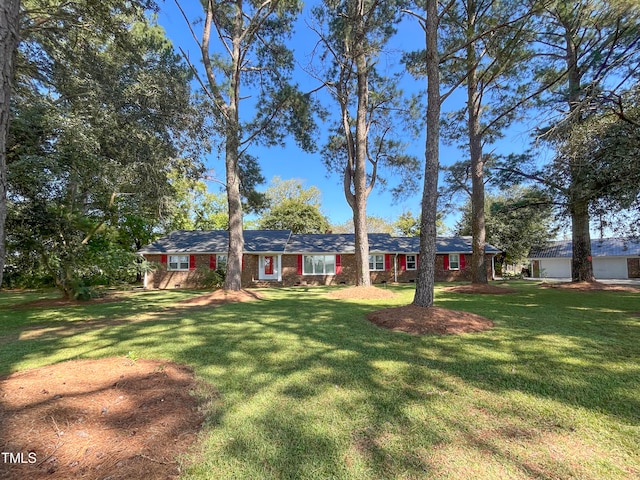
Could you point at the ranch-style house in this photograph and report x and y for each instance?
(282, 258)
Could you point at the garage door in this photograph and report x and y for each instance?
(555, 268)
(610, 267)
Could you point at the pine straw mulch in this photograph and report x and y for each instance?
(590, 287)
(428, 321)
(412, 319)
(112, 418)
(361, 293)
(220, 297)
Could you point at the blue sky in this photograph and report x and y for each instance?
(291, 162)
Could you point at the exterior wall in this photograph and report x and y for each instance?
(163, 279)
(290, 276)
(464, 274)
(250, 270)
(633, 267)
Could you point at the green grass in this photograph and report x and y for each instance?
(310, 390)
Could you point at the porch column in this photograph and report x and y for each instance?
(279, 257)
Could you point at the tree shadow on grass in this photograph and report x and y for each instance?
(292, 366)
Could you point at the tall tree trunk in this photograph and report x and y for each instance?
(581, 263)
(424, 294)
(478, 230)
(581, 266)
(233, 278)
(9, 38)
(363, 278)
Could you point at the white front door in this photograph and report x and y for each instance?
(269, 267)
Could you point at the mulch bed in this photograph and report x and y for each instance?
(362, 293)
(220, 297)
(428, 321)
(112, 418)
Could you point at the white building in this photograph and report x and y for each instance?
(612, 258)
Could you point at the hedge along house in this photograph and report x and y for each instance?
(611, 258)
(280, 258)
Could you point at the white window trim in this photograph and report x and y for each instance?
(415, 261)
(323, 265)
(372, 263)
(178, 262)
(218, 255)
(457, 261)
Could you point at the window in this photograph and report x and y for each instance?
(454, 261)
(178, 262)
(411, 262)
(221, 262)
(319, 265)
(376, 262)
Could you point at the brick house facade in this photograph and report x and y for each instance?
(280, 258)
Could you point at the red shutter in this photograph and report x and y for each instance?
(212, 262)
(163, 259)
(299, 264)
(192, 262)
(387, 262)
(446, 262)
(242, 267)
(403, 262)
(462, 261)
(338, 265)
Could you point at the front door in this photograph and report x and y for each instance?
(268, 265)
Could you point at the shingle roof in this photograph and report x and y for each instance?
(217, 241)
(606, 247)
(276, 241)
(339, 243)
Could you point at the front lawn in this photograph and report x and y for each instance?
(309, 389)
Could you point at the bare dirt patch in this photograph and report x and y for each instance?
(112, 418)
(362, 293)
(68, 302)
(480, 288)
(217, 297)
(432, 320)
(590, 287)
(220, 297)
